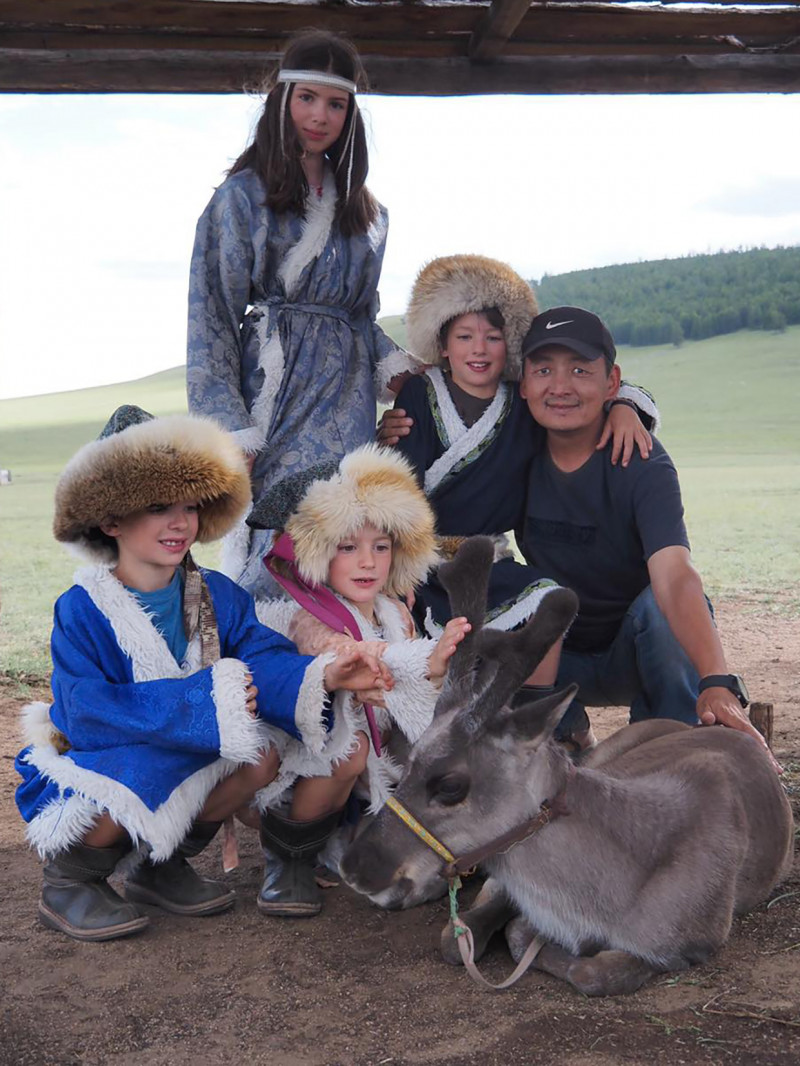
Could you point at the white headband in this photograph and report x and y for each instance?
(318, 77)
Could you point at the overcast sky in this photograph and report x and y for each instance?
(99, 196)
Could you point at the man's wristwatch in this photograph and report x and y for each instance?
(732, 682)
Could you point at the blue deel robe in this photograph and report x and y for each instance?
(148, 737)
(283, 346)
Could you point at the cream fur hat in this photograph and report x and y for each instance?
(458, 285)
(139, 460)
(370, 486)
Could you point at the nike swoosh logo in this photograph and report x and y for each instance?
(553, 325)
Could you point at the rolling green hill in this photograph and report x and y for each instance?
(667, 301)
(729, 406)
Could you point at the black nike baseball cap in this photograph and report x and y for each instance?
(574, 328)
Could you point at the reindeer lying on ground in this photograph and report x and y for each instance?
(654, 843)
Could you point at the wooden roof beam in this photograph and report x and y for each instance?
(224, 72)
(494, 30)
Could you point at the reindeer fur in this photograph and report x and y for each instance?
(670, 831)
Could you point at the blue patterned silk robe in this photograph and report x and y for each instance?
(283, 347)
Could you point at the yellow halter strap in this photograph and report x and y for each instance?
(406, 816)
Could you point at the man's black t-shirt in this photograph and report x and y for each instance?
(594, 529)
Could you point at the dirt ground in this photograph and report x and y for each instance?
(360, 987)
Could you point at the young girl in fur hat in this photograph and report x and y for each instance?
(473, 438)
(358, 535)
(284, 349)
(171, 702)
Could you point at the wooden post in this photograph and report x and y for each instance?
(761, 717)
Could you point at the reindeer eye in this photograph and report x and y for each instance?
(449, 789)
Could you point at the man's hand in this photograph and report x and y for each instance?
(454, 632)
(719, 706)
(679, 593)
(393, 425)
(357, 667)
(399, 380)
(625, 427)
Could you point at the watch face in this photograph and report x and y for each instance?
(732, 682)
(740, 685)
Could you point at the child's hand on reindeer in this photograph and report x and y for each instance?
(250, 694)
(454, 632)
(375, 697)
(357, 667)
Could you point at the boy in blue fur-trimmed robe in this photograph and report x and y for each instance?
(171, 704)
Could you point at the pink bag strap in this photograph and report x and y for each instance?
(322, 604)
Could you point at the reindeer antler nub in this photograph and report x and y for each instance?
(514, 656)
(466, 581)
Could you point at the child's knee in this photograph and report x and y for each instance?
(356, 763)
(258, 775)
(267, 767)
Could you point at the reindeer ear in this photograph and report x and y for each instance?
(534, 721)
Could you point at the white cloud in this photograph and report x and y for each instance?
(99, 197)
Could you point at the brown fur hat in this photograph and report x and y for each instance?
(458, 285)
(151, 460)
(373, 486)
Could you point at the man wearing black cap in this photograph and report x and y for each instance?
(644, 636)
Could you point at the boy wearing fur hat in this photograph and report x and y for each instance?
(357, 535)
(171, 702)
(473, 439)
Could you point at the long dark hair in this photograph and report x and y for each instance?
(280, 169)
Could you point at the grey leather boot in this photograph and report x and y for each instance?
(290, 889)
(77, 900)
(174, 886)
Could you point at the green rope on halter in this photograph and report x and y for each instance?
(458, 927)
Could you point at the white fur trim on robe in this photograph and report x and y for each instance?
(409, 706)
(643, 400)
(319, 215)
(311, 697)
(64, 821)
(250, 440)
(410, 703)
(240, 737)
(277, 615)
(461, 440)
(522, 610)
(398, 361)
(235, 547)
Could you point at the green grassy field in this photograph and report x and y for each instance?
(729, 407)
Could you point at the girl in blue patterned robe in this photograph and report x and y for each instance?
(283, 346)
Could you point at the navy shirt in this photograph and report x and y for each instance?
(594, 529)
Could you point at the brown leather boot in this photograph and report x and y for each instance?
(174, 886)
(290, 889)
(77, 899)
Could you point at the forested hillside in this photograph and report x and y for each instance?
(670, 300)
